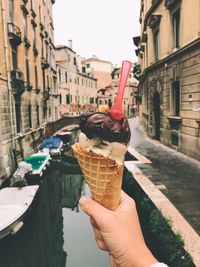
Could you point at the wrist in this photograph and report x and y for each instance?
(141, 257)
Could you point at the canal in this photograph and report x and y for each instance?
(56, 233)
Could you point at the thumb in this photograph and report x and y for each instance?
(92, 208)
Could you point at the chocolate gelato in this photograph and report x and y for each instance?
(102, 125)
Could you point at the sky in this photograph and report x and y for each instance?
(104, 28)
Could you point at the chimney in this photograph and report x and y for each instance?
(70, 44)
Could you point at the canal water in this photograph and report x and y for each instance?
(56, 233)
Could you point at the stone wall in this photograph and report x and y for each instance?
(183, 132)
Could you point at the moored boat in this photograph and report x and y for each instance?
(39, 162)
(14, 204)
(54, 144)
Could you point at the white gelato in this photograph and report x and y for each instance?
(114, 150)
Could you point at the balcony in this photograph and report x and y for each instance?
(28, 86)
(17, 82)
(154, 20)
(46, 95)
(14, 34)
(44, 63)
(26, 42)
(35, 51)
(37, 90)
(171, 3)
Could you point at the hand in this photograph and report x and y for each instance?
(119, 232)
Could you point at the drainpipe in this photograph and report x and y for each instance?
(8, 81)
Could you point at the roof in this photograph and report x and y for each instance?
(95, 59)
(59, 47)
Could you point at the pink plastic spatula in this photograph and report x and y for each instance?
(116, 110)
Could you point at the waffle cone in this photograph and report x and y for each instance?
(103, 175)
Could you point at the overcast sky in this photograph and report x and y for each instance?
(104, 28)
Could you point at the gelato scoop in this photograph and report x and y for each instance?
(101, 125)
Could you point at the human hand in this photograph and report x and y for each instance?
(119, 232)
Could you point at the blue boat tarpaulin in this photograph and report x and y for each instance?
(50, 143)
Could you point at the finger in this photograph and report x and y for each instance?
(92, 208)
(102, 245)
(93, 223)
(125, 202)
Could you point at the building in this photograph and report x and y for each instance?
(107, 95)
(99, 69)
(78, 90)
(169, 51)
(27, 78)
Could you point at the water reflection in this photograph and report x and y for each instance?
(40, 241)
(54, 235)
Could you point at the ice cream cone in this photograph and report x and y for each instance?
(103, 175)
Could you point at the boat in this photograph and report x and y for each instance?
(39, 162)
(54, 144)
(66, 137)
(14, 204)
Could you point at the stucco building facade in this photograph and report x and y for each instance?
(77, 89)
(28, 80)
(99, 69)
(169, 53)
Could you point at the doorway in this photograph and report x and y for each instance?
(156, 108)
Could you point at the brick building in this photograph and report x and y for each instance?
(27, 78)
(169, 53)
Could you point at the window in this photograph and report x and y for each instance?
(27, 71)
(14, 57)
(24, 23)
(11, 11)
(54, 84)
(38, 115)
(40, 13)
(156, 44)
(29, 116)
(18, 117)
(60, 75)
(69, 58)
(34, 38)
(47, 52)
(74, 61)
(91, 100)
(60, 99)
(83, 69)
(88, 65)
(36, 78)
(68, 99)
(176, 28)
(42, 48)
(65, 76)
(176, 98)
(32, 4)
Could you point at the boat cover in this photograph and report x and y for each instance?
(50, 143)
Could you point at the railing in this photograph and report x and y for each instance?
(44, 63)
(14, 34)
(17, 82)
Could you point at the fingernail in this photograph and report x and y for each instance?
(82, 200)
